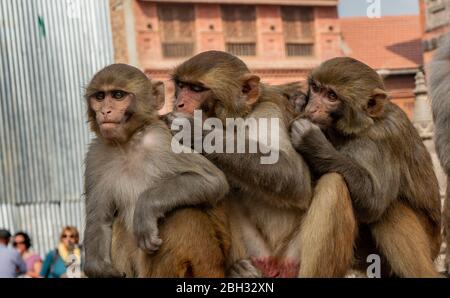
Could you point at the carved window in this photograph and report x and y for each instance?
(239, 29)
(298, 28)
(177, 29)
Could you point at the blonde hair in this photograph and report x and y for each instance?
(71, 229)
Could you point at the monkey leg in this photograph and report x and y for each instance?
(248, 246)
(328, 230)
(405, 240)
(192, 246)
(124, 250)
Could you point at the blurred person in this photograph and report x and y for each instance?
(57, 261)
(11, 263)
(22, 244)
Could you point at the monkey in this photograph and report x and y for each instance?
(133, 179)
(350, 127)
(294, 94)
(281, 225)
(440, 99)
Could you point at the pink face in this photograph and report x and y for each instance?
(190, 97)
(322, 102)
(110, 109)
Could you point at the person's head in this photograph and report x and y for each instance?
(21, 242)
(5, 235)
(69, 237)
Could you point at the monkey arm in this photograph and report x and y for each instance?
(284, 179)
(442, 136)
(440, 94)
(287, 178)
(97, 238)
(364, 183)
(202, 184)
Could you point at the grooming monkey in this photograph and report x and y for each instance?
(277, 219)
(133, 179)
(440, 96)
(354, 130)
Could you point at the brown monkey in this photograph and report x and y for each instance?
(275, 225)
(133, 178)
(440, 96)
(352, 129)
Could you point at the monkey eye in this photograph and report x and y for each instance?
(197, 88)
(179, 84)
(332, 95)
(314, 87)
(99, 96)
(118, 94)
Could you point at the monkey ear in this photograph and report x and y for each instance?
(375, 105)
(158, 93)
(250, 87)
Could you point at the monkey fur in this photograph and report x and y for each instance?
(133, 180)
(351, 128)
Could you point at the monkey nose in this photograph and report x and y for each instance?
(181, 105)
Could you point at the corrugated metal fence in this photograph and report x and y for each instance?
(48, 51)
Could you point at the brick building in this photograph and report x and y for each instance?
(281, 40)
(392, 45)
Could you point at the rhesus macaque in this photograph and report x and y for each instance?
(440, 96)
(280, 226)
(354, 130)
(133, 179)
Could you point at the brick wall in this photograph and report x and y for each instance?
(118, 31)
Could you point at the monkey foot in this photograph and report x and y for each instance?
(272, 267)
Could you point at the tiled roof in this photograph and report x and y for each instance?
(391, 42)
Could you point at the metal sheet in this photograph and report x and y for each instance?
(48, 51)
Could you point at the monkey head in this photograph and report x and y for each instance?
(120, 100)
(294, 94)
(217, 83)
(345, 94)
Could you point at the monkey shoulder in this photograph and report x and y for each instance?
(393, 127)
(155, 137)
(266, 109)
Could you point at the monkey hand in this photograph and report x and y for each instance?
(145, 225)
(146, 233)
(96, 269)
(302, 130)
(244, 269)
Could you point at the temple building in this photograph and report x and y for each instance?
(281, 40)
(392, 45)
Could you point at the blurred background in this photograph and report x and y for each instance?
(49, 49)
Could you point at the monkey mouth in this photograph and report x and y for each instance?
(109, 124)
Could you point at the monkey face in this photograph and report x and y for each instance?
(111, 108)
(191, 96)
(323, 104)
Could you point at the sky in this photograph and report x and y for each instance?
(354, 8)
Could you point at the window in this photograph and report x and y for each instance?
(239, 29)
(177, 29)
(298, 27)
